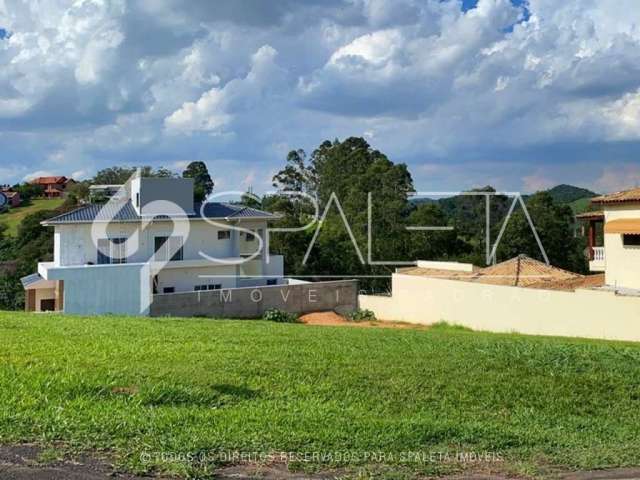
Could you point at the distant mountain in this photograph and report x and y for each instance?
(569, 194)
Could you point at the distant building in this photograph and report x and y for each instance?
(54, 187)
(13, 198)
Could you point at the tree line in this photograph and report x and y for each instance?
(340, 175)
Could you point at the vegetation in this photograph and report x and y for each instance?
(568, 193)
(279, 316)
(14, 216)
(361, 315)
(120, 175)
(202, 183)
(176, 386)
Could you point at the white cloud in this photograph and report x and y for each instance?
(216, 108)
(92, 83)
(36, 174)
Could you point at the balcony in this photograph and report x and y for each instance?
(597, 259)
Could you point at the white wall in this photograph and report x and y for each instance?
(104, 289)
(583, 313)
(184, 279)
(75, 247)
(622, 263)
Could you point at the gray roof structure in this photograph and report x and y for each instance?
(31, 279)
(125, 212)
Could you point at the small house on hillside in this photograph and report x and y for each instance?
(54, 187)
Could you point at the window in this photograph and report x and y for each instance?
(631, 240)
(250, 237)
(112, 251)
(200, 288)
(164, 246)
(169, 290)
(224, 234)
(272, 281)
(138, 199)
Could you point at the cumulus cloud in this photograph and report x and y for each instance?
(450, 90)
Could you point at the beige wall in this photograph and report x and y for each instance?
(622, 264)
(44, 294)
(584, 313)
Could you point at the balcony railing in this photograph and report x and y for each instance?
(598, 254)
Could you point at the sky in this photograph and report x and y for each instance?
(521, 95)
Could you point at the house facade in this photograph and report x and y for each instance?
(614, 238)
(114, 258)
(54, 187)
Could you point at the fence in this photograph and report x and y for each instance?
(251, 302)
(497, 308)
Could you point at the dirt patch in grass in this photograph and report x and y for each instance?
(333, 319)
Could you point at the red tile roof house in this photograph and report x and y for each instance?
(54, 187)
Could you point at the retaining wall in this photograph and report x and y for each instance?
(251, 302)
(583, 313)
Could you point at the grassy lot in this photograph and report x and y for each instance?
(14, 216)
(160, 394)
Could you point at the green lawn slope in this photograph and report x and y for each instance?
(14, 216)
(158, 395)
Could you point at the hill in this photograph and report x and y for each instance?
(568, 193)
(152, 392)
(14, 216)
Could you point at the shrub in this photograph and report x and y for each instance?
(361, 316)
(280, 316)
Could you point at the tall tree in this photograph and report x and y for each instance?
(202, 182)
(554, 224)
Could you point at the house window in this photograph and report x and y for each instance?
(165, 246)
(272, 281)
(250, 237)
(224, 234)
(631, 240)
(112, 251)
(138, 199)
(169, 290)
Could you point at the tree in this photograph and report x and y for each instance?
(554, 224)
(202, 183)
(77, 193)
(28, 191)
(120, 175)
(347, 171)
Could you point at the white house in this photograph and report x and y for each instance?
(614, 238)
(114, 258)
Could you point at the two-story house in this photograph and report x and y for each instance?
(153, 240)
(614, 238)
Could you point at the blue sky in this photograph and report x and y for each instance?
(519, 95)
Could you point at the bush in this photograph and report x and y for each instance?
(276, 315)
(361, 316)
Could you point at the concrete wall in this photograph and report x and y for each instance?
(178, 191)
(583, 313)
(185, 279)
(622, 263)
(103, 289)
(252, 302)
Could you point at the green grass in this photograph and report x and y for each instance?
(14, 216)
(151, 392)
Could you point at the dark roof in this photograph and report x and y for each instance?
(30, 279)
(124, 212)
